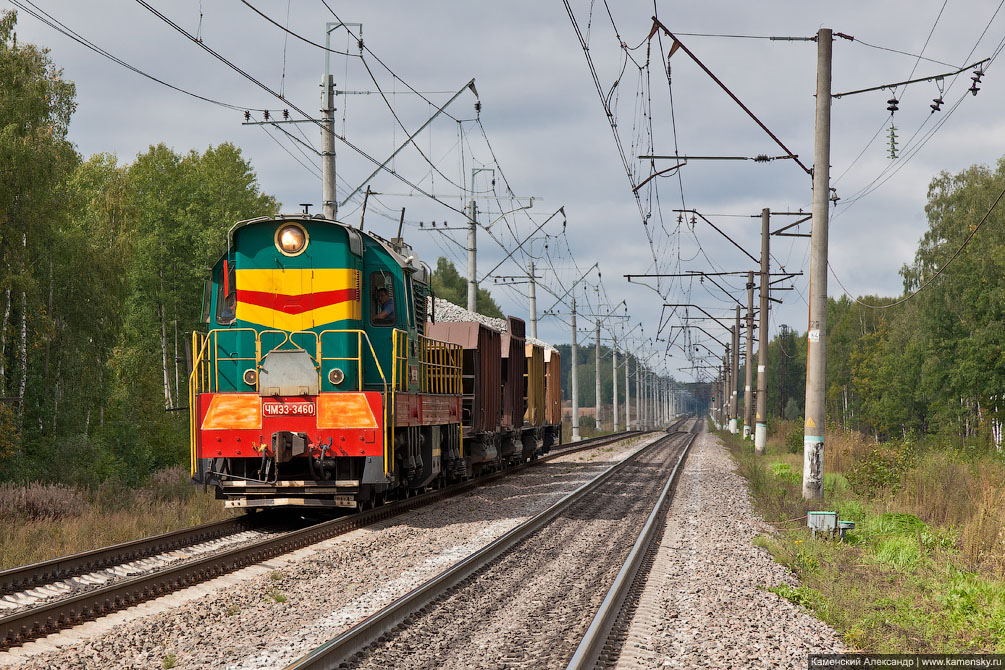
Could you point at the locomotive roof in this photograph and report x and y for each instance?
(404, 261)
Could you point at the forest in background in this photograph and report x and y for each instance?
(928, 362)
(100, 282)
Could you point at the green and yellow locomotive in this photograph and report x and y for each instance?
(315, 383)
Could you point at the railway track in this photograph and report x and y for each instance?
(46, 597)
(514, 602)
(603, 642)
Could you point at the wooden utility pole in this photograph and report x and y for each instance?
(813, 430)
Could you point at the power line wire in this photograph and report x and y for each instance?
(293, 106)
(54, 23)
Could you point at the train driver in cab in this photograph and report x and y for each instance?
(385, 315)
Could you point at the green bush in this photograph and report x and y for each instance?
(794, 440)
(900, 551)
(801, 595)
(851, 510)
(785, 472)
(805, 563)
(880, 470)
(894, 523)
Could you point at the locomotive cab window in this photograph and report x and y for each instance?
(226, 298)
(382, 308)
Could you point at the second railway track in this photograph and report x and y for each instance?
(525, 600)
(59, 594)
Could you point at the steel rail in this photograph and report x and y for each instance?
(337, 651)
(589, 654)
(47, 618)
(65, 567)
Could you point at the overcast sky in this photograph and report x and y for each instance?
(550, 135)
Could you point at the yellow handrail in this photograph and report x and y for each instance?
(440, 365)
(205, 377)
(388, 406)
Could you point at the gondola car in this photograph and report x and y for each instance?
(316, 383)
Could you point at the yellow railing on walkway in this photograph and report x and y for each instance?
(440, 366)
(439, 372)
(206, 361)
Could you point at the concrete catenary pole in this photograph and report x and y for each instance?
(725, 389)
(638, 394)
(748, 377)
(645, 398)
(761, 416)
(813, 430)
(533, 299)
(733, 428)
(656, 400)
(614, 382)
(628, 394)
(640, 387)
(472, 258)
(575, 378)
(596, 375)
(328, 201)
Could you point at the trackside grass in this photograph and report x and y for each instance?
(924, 569)
(39, 521)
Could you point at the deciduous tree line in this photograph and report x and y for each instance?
(932, 362)
(100, 283)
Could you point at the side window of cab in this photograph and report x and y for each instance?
(226, 297)
(381, 300)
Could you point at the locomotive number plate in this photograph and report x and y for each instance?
(289, 409)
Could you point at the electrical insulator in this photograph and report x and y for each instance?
(286, 114)
(937, 104)
(247, 115)
(892, 105)
(893, 142)
(761, 158)
(266, 115)
(976, 78)
(478, 106)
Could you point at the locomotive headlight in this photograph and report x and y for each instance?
(336, 376)
(250, 377)
(291, 239)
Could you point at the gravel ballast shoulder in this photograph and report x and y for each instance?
(266, 616)
(704, 604)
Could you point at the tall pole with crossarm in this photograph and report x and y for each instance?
(816, 335)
